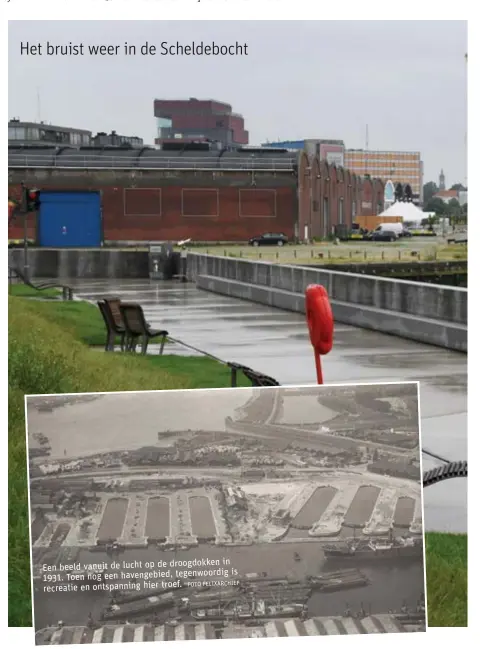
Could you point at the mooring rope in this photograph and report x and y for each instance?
(434, 455)
(196, 349)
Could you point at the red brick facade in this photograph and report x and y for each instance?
(202, 214)
(175, 213)
(329, 196)
(154, 206)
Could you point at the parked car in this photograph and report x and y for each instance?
(398, 228)
(383, 235)
(269, 239)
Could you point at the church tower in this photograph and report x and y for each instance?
(441, 181)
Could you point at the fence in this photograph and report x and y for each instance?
(338, 254)
(134, 160)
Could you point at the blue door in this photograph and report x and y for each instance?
(69, 220)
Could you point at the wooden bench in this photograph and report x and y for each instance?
(67, 291)
(138, 328)
(110, 310)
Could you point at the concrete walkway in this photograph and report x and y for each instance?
(276, 343)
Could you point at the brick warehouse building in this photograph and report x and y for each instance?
(99, 196)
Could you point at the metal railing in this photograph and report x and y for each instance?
(133, 162)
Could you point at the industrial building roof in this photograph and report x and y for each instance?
(17, 123)
(382, 623)
(148, 158)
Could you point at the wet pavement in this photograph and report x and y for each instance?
(276, 343)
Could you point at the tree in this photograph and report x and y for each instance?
(430, 221)
(408, 193)
(454, 211)
(453, 204)
(429, 190)
(458, 187)
(399, 192)
(436, 205)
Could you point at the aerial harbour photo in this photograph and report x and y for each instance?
(227, 513)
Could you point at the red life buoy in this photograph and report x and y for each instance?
(319, 318)
(320, 324)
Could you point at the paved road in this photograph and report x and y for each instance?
(276, 342)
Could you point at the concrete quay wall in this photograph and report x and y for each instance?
(427, 313)
(82, 263)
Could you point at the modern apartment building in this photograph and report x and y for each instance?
(43, 134)
(404, 167)
(40, 133)
(199, 120)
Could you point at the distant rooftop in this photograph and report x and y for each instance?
(45, 125)
(381, 151)
(217, 101)
(322, 140)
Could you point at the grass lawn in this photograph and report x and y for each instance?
(82, 319)
(48, 354)
(46, 357)
(22, 290)
(447, 579)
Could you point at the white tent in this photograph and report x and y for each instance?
(408, 211)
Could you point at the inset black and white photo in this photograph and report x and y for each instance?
(235, 513)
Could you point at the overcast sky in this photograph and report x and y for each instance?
(406, 80)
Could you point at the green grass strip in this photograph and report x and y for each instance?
(447, 579)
